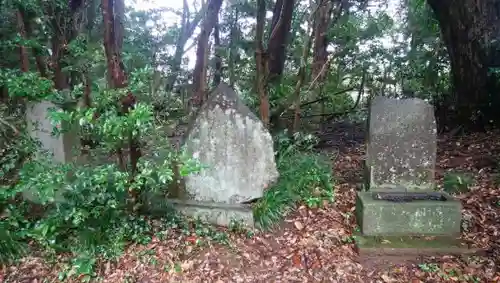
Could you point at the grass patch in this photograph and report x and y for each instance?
(305, 177)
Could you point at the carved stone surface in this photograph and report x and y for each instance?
(40, 128)
(401, 150)
(233, 143)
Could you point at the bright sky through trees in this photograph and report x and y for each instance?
(170, 18)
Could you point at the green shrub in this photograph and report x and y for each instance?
(305, 177)
(85, 209)
(457, 183)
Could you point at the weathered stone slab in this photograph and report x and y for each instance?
(401, 150)
(396, 249)
(235, 146)
(422, 217)
(216, 213)
(237, 152)
(40, 128)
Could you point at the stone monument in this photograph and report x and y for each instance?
(237, 151)
(401, 200)
(40, 128)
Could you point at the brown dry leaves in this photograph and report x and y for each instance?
(314, 245)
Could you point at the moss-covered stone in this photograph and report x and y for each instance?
(411, 245)
(385, 218)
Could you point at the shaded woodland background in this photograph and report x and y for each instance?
(122, 75)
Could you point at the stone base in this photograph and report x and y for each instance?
(410, 247)
(423, 217)
(216, 213)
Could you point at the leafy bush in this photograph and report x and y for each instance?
(86, 207)
(305, 177)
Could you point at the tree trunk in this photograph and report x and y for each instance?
(301, 76)
(23, 54)
(118, 79)
(232, 48)
(322, 22)
(218, 56)
(261, 61)
(58, 44)
(39, 58)
(467, 27)
(199, 73)
(187, 29)
(280, 32)
(119, 18)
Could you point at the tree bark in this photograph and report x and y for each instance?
(199, 73)
(261, 63)
(23, 54)
(467, 27)
(39, 59)
(232, 48)
(118, 79)
(187, 29)
(280, 33)
(218, 55)
(119, 17)
(322, 22)
(301, 76)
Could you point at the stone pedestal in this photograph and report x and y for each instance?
(420, 217)
(401, 157)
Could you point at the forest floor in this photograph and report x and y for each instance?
(316, 245)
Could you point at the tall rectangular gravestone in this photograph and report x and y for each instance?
(237, 151)
(401, 149)
(40, 128)
(401, 157)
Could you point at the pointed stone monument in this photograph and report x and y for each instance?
(237, 151)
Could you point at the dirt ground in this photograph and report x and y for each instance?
(316, 245)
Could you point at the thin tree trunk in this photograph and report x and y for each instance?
(301, 78)
(280, 32)
(39, 59)
(205, 74)
(23, 54)
(218, 55)
(119, 18)
(187, 29)
(261, 63)
(118, 79)
(322, 22)
(57, 41)
(199, 73)
(232, 48)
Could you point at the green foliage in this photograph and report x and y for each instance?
(305, 177)
(16, 82)
(457, 183)
(86, 207)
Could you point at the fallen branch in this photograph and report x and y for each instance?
(14, 129)
(334, 115)
(324, 98)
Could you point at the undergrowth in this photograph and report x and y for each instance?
(305, 177)
(86, 208)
